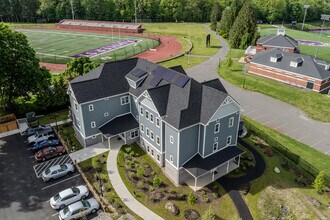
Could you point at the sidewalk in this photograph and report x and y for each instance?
(123, 192)
(88, 152)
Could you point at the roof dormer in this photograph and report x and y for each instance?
(297, 62)
(136, 77)
(281, 30)
(276, 57)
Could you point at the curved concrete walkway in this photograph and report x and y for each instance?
(123, 192)
(268, 111)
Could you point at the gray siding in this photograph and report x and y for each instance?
(225, 131)
(171, 149)
(188, 144)
(225, 110)
(150, 125)
(134, 108)
(201, 139)
(93, 140)
(77, 115)
(112, 106)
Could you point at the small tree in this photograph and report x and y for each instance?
(228, 62)
(157, 181)
(208, 214)
(140, 172)
(191, 199)
(319, 183)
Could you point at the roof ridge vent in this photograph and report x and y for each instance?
(297, 62)
(274, 58)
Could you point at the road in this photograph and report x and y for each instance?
(268, 111)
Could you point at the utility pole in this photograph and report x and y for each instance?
(305, 7)
(72, 10)
(324, 17)
(135, 11)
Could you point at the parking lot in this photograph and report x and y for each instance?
(23, 193)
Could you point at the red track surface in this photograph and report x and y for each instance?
(169, 47)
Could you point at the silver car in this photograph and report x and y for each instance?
(79, 209)
(68, 196)
(57, 171)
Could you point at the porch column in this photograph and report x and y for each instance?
(102, 138)
(227, 166)
(109, 143)
(195, 183)
(239, 160)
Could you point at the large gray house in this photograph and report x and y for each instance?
(189, 128)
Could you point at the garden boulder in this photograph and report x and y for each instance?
(172, 208)
(191, 214)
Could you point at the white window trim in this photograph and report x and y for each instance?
(93, 124)
(157, 122)
(215, 126)
(151, 118)
(158, 140)
(106, 114)
(171, 139)
(231, 122)
(134, 136)
(171, 158)
(152, 135)
(75, 104)
(217, 146)
(147, 132)
(94, 136)
(147, 114)
(142, 128)
(152, 152)
(216, 139)
(91, 107)
(123, 100)
(141, 110)
(230, 138)
(158, 157)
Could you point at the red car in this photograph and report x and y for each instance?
(49, 152)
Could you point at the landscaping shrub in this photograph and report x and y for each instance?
(206, 200)
(191, 199)
(146, 165)
(157, 181)
(140, 172)
(128, 150)
(96, 164)
(203, 192)
(182, 196)
(215, 194)
(151, 189)
(269, 152)
(131, 153)
(215, 186)
(131, 175)
(153, 173)
(128, 166)
(319, 183)
(140, 185)
(209, 214)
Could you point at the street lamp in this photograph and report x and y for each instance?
(324, 17)
(305, 7)
(244, 72)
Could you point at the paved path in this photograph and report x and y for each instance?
(268, 111)
(88, 152)
(123, 192)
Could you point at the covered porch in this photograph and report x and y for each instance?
(203, 171)
(121, 130)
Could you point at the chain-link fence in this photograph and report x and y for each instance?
(296, 159)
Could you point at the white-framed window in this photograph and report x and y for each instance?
(91, 107)
(158, 158)
(134, 134)
(215, 146)
(215, 139)
(152, 152)
(94, 136)
(93, 124)
(147, 114)
(142, 128)
(158, 140)
(151, 135)
(141, 111)
(228, 140)
(76, 106)
(148, 148)
(142, 143)
(171, 158)
(106, 114)
(124, 100)
(171, 139)
(157, 122)
(151, 118)
(231, 122)
(147, 132)
(216, 127)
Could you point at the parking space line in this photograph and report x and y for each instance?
(56, 214)
(280, 126)
(292, 131)
(268, 121)
(250, 112)
(39, 168)
(60, 182)
(303, 137)
(318, 142)
(260, 116)
(63, 158)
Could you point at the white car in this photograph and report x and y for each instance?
(68, 196)
(57, 171)
(40, 136)
(79, 209)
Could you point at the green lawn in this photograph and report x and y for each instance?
(323, 53)
(183, 61)
(56, 46)
(197, 35)
(47, 119)
(223, 206)
(315, 105)
(320, 160)
(68, 135)
(271, 191)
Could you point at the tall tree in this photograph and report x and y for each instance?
(228, 17)
(20, 74)
(79, 66)
(215, 14)
(244, 31)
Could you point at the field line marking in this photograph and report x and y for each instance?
(49, 54)
(60, 182)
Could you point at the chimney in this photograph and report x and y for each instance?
(281, 30)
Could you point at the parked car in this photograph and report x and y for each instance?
(49, 152)
(45, 143)
(68, 196)
(57, 171)
(79, 209)
(32, 130)
(39, 136)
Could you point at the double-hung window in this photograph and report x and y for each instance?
(157, 122)
(147, 114)
(171, 139)
(141, 111)
(93, 124)
(151, 135)
(124, 100)
(91, 107)
(215, 146)
(217, 128)
(142, 128)
(134, 134)
(147, 130)
(228, 140)
(158, 140)
(151, 118)
(231, 122)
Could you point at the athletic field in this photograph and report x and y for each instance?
(53, 46)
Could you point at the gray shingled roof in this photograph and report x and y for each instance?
(278, 41)
(180, 107)
(119, 125)
(308, 67)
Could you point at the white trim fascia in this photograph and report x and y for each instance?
(204, 141)
(161, 135)
(285, 71)
(151, 145)
(172, 164)
(199, 136)
(239, 119)
(72, 93)
(114, 118)
(95, 100)
(178, 150)
(93, 135)
(217, 151)
(171, 126)
(190, 126)
(83, 136)
(265, 45)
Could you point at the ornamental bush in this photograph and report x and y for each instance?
(157, 181)
(191, 199)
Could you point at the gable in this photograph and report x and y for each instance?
(145, 100)
(228, 107)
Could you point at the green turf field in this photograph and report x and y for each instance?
(55, 46)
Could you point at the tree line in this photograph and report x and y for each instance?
(162, 10)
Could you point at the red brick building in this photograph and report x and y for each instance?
(295, 69)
